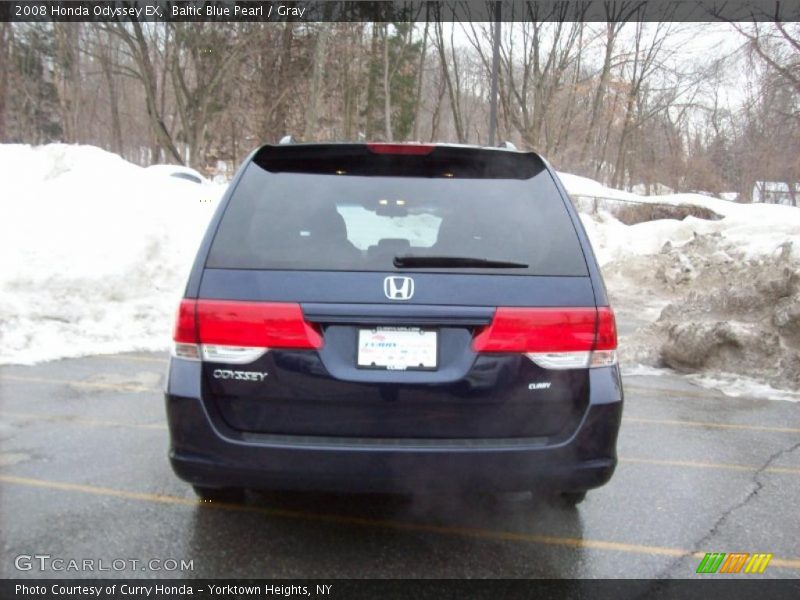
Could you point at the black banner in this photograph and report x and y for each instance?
(491, 589)
(403, 10)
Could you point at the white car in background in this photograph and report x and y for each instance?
(179, 172)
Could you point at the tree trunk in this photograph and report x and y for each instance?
(372, 85)
(437, 113)
(420, 74)
(67, 74)
(604, 149)
(387, 89)
(566, 121)
(141, 52)
(790, 185)
(113, 99)
(312, 113)
(276, 126)
(350, 83)
(5, 67)
(599, 92)
(452, 90)
(619, 164)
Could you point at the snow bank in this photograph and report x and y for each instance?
(755, 234)
(709, 298)
(583, 186)
(94, 251)
(716, 299)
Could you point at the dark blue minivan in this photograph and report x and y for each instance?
(392, 318)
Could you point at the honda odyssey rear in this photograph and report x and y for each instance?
(394, 317)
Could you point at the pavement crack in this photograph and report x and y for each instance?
(757, 487)
(698, 546)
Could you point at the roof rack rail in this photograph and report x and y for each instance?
(287, 139)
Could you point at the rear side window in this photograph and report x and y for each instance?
(342, 216)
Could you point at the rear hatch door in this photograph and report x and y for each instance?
(392, 259)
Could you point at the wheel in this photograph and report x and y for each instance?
(220, 495)
(568, 499)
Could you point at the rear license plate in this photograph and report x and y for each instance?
(397, 349)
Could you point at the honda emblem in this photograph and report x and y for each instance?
(398, 288)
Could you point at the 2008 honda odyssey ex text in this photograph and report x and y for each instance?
(390, 318)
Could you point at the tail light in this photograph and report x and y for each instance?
(185, 334)
(418, 149)
(240, 332)
(553, 338)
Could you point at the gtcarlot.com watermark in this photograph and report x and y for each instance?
(56, 564)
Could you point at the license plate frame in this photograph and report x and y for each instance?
(409, 349)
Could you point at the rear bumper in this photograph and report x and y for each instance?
(203, 452)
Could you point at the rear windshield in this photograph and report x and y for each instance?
(351, 220)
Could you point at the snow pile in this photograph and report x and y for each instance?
(583, 186)
(716, 298)
(719, 299)
(723, 313)
(94, 251)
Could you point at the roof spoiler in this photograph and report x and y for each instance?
(399, 160)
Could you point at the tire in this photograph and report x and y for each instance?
(219, 495)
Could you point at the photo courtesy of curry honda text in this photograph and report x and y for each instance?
(394, 318)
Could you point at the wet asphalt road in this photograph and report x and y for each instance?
(84, 474)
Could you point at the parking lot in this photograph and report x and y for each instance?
(84, 475)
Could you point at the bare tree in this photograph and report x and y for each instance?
(641, 63)
(777, 45)
(423, 57)
(5, 73)
(450, 75)
(143, 49)
(317, 72)
(612, 31)
(106, 58)
(67, 73)
(610, 101)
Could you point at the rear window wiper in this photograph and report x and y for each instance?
(454, 262)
